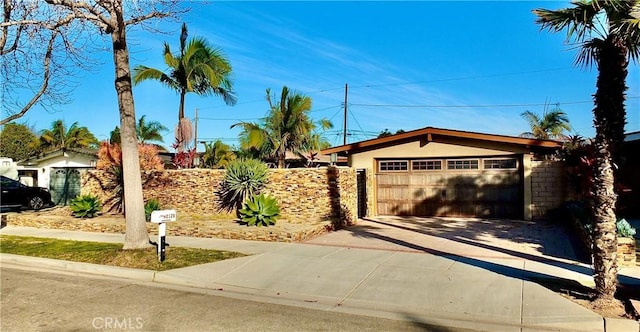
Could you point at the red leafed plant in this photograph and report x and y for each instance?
(110, 160)
(182, 158)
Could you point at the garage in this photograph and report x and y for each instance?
(64, 184)
(444, 172)
(489, 186)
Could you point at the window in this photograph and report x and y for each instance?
(393, 165)
(462, 164)
(500, 163)
(421, 165)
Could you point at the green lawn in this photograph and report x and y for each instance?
(110, 253)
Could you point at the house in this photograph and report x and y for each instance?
(444, 172)
(629, 197)
(59, 171)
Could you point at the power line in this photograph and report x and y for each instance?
(229, 119)
(478, 106)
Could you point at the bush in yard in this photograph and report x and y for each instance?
(85, 206)
(150, 206)
(243, 179)
(260, 210)
(110, 160)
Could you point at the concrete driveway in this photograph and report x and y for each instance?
(468, 237)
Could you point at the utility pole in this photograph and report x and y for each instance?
(346, 88)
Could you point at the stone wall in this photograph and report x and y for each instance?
(304, 194)
(548, 186)
(626, 255)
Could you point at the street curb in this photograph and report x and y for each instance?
(620, 325)
(94, 269)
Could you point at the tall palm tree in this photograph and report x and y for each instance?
(551, 125)
(286, 128)
(58, 136)
(198, 68)
(607, 33)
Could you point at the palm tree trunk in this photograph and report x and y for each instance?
(181, 109)
(136, 235)
(605, 240)
(609, 120)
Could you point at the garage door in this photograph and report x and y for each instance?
(64, 184)
(478, 187)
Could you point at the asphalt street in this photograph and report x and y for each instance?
(34, 300)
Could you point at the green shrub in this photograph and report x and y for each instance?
(150, 206)
(243, 179)
(625, 229)
(85, 206)
(260, 210)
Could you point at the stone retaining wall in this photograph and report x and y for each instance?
(626, 251)
(304, 194)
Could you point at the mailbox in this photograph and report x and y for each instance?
(162, 217)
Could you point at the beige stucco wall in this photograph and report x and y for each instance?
(417, 149)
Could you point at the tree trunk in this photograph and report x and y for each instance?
(136, 235)
(609, 120)
(181, 107)
(605, 240)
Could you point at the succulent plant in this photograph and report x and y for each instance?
(625, 229)
(85, 206)
(243, 179)
(150, 206)
(260, 210)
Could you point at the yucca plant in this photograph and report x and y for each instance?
(150, 206)
(260, 210)
(85, 206)
(243, 179)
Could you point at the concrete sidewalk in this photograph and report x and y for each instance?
(456, 292)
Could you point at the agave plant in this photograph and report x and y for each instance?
(85, 206)
(243, 179)
(260, 210)
(625, 229)
(150, 206)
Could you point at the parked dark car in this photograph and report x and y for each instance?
(16, 194)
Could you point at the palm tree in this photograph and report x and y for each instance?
(149, 131)
(217, 155)
(145, 132)
(608, 35)
(286, 128)
(199, 68)
(58, 136)
(551, 125)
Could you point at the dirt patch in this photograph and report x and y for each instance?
(586, 297)
(208, 226)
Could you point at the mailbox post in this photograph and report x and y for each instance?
(161, 217)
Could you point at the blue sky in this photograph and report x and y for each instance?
(472, 66)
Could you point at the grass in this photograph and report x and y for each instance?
(110, 253)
